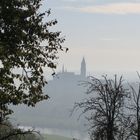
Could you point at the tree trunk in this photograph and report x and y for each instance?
(138, 138)
(110, 134)
(138, 127)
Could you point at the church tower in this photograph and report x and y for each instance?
(83, 68)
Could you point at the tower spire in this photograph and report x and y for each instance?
(83, 68)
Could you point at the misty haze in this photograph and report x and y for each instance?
(69, 70)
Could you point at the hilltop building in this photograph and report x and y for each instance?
(71, 76)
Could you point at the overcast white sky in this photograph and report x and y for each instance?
(106, 32)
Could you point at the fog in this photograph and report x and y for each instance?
(54, 115)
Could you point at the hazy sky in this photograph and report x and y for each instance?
(106, 32)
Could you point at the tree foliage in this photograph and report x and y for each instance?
(10, 132)
(22, 55)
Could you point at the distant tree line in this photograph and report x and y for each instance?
(112, 109)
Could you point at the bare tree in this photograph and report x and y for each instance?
(135, 109)
(105, 105)
(125, 128)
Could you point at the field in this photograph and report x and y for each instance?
(55, 137)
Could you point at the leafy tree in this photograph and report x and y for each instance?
(26, 46)
(105, 106)
(10, 132)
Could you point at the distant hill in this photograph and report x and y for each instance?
(64, 90)
(54, 114)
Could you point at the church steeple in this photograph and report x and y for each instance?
(83, 68)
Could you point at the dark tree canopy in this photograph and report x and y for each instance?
(22, 55)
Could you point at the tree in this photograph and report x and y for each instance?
(10, 132)
(105, 105)
(125, 128)
(22, 55)
(135, 110)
